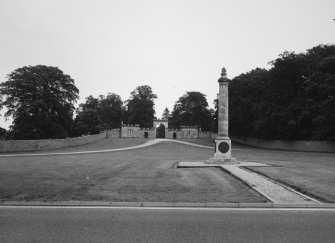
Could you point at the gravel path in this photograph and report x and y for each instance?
(270, 189)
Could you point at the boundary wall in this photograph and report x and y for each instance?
(207, 135)
(295, 145)
(7, 146)
(114, 133)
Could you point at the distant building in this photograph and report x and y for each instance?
(160, 130)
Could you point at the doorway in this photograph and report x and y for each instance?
(160, 131)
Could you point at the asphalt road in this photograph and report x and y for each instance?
(57, 224)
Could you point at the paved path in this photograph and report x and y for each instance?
(270, 189)
(165, 225)
(146, 144)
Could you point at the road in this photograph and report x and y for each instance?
(99, 224)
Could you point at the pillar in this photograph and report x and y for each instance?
(222, 142)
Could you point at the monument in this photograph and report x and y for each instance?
(222, 142)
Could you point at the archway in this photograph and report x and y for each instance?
(157, 124)
(160, 131)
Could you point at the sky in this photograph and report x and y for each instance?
(173, 46)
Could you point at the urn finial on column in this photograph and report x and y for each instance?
(223, 77)
(223, 73)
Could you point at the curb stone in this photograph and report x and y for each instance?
(221, 205)
(162, 204)
(64, 203)
(289, 205)
(255, 205)
(158, 204)
(35, 203)
(126, 204)
(189, 205)
(95, 203)
(323, 205)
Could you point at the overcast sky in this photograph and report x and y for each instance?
(172, 45)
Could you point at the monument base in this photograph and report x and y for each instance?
(221, 161)
(222, 152)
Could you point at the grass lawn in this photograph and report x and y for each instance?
(205, 142)
(104, 144)
(146, 174)
(310, 173)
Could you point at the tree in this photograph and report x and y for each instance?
(98, 114)
(110, 110)
(294, 100)
(166, 114)
(246, 99)
(2, 133)
(87, 119)
(41, 101)
(191, 109)
(141, 106)
(215, 115)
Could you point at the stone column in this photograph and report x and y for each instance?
(223, 142)
(223, 106)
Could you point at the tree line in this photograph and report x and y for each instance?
(294, 99)
(41, 101)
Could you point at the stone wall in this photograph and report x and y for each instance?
(185, 132)
(170, 132)
(189, 132)
(7, 146)
(130, 131)
(115, 133)
(207, 135)
(146, 133)
(306, 146)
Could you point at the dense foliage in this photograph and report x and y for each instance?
(2, 133)
(294, 100)
(98, 114)
(140, 107)
(41, 101)
(191, 109)
(166, 114)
